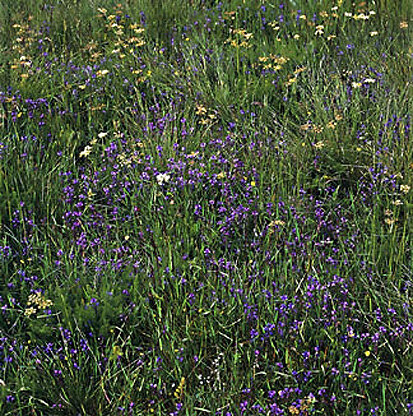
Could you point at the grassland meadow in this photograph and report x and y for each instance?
(206, 207)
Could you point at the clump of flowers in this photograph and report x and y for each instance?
(179, 391)
(240, 38)
(271, 63)
(37, 302)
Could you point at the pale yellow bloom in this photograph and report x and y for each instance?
(361, 16)
(319, 30)
(104, 72)
(86, 151)
(30, 311)
(319, 145)
(276, 222)
(200, 110)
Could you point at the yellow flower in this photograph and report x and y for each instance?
(360, 16)
(180, 389)
(86, 151)
(116, 352)
(30, 311)
(276, 222)
(319, 145)
(102, 73)
(200, 110)
(299, 70)
(293, 410)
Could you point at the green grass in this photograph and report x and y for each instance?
(205, 208)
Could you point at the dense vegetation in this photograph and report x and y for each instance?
(205, 207)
